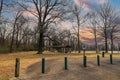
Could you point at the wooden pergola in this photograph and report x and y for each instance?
(65, 48)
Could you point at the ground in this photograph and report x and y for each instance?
(76, 71)
(31, 67)
(7, 63)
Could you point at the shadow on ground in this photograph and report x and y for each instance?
(76, 71)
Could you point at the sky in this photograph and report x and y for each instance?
(91, 4)
(86, 5)
(116, 3)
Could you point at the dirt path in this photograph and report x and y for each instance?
(55, 70)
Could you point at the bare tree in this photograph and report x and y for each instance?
(18, 15)
(3, 31)
(20, 23)
(92, 16)
(79, 19)
(104, 12)
(46, 12)
(114, 29)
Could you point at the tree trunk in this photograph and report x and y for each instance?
(78, 43)
(12, 40)
(40, 38)
(40, 43)
(96, 45)
(17, 38)
(1, 6)
(18, 44)
(106, 44)
(78, 22)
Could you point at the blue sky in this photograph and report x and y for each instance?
(116, 3)
(89, 3)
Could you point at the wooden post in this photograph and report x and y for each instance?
(43, 65)
(111, 59)
(65, 63)
(85, 61)
(98, 60)
(17, 67)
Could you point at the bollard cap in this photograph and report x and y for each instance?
(17, 58)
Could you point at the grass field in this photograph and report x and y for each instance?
(7, 61)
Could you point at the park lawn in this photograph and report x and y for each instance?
(7, 61)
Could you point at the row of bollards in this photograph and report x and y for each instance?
(43, 65)
(84, 61)
(17, 65)
(98, 60)
(103, 55)
(65, 65)
(111, 59)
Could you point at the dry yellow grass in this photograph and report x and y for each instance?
(7, 61)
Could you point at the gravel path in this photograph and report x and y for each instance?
(76, 71)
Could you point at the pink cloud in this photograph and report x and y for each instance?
(28, 14)
(89, 4)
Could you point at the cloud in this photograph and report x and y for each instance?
(89, 4)
(28, 14)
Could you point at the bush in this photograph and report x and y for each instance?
(5, 48)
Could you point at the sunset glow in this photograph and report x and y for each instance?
(89, 4)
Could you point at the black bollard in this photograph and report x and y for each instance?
(43, 65)
(85, 61)
(111, 62)
(103, 54)
(17, 67)
(65, 63)
(98, 60)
